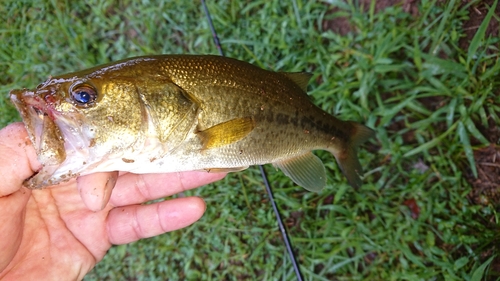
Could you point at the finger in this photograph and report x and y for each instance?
(135, 189)
(95, 189)
(131, 223)
(17, 158)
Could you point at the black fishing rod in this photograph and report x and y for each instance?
(281, 226)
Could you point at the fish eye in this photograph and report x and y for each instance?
(83, 95)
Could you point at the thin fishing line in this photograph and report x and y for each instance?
(212, 29)
(281, 226)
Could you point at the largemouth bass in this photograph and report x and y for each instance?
(170, 113)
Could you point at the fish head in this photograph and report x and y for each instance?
(76, 120)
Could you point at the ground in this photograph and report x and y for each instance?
(411, 70)
(486, 186)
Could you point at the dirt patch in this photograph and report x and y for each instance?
(486, 187)
(477, 13)
(341, 24)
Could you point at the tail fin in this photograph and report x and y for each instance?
(347, 157)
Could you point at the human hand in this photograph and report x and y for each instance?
(53, 233)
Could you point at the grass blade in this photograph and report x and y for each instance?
(464, 138)
(479, 36)
(479, 272)
(430, 144)
(471, 127)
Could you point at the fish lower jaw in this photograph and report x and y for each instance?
(33, 122)
(48, 176)
(83, 159)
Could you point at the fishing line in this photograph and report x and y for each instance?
(281, 226)
(212, 29)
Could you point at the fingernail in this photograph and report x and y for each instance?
(108, 188)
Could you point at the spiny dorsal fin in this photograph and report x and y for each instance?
(305, 170)
(226, 133)
(299, 78)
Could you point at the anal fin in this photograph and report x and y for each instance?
(305, 170)
(225, 170)
(226, 133)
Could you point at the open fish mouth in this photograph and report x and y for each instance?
(44, 133)
(61, 139)
(42, 130)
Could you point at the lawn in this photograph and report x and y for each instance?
(423, 74)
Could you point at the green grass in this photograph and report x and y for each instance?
(404, 76)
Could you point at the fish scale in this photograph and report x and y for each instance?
(172, 113)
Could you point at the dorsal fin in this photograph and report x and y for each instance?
(299, 78)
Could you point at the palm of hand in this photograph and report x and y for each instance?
(55, 232)
(52, 234)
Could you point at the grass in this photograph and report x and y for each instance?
(429, 100)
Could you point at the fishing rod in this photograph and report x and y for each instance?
(281, 226)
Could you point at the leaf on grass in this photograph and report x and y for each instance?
(440, 88)
(340, 193)
(419, 107)
(417, 54)
(479, 36)
(384, 68)
(464, 139)
(471, 127)
(430, 239)
(451, 113)
(409, 255)
(438, 36)
(479, 272)
(390, 113)
(430, 144)
(437, 66)
(460, 263)
(490, 72)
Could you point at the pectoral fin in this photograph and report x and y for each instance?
(226, 133)
(305, 170)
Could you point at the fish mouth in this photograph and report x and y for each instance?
(43, 132)
(61, 138)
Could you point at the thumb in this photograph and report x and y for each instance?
(17, 162)
(17, 158)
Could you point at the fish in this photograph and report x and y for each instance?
(173, 113)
